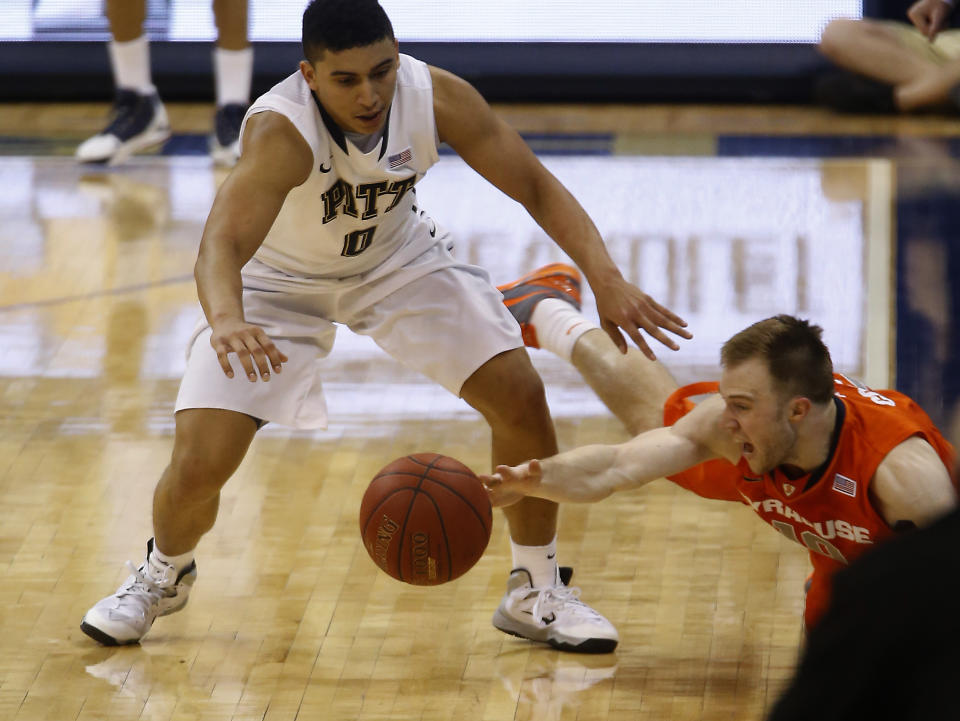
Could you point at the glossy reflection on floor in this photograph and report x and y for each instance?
(290, 619)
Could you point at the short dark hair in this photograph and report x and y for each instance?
(796, 356)
(342, 24)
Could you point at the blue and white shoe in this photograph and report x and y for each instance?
(225, 140)
(138, 122)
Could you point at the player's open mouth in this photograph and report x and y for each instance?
(747, 448)
(371, 117)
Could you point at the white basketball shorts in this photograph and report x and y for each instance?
(435, 315)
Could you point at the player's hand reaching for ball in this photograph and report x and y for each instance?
(254, 349)
(624, 306)
(509, 484)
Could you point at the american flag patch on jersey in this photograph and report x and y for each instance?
(845, 485)
(401, 158)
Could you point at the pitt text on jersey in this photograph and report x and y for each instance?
(361, 202)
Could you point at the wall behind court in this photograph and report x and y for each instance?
(539, 50)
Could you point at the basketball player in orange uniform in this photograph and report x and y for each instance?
(831, 464)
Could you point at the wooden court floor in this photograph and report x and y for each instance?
(289, 618)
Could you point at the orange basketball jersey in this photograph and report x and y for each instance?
(828, 510)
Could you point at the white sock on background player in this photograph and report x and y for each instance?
(131, 65)
(233, 70)
(559, 326)
(540, 561)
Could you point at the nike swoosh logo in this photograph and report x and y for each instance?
(551, 556)
(569, 330)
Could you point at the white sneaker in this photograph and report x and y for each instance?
(225, 140)
(154, 589)
(138, 122)
(553, 615)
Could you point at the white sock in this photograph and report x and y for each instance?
(559, 326)
(178, 562)
(540, 561)
(233, 70)
(131, 65)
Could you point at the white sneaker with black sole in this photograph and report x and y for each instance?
(225, 140)
(138, 122)
(553, 615)
(154, 589)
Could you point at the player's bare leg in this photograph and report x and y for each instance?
(546, 304)
(871, 49)
(126, 18)
(875, 51)
(632, 386)
(231, 20)
(209, 444)
(208, 447)
(939, 86)
(509, 394)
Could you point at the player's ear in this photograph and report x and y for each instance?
(799, 408)
(306, 69)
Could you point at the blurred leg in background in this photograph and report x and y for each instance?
(139, 120)
(881, 63)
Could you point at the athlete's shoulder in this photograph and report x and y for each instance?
(292, 92)
(913, 483)
(848, 386)
(413, 73)
(292, 99)
(880, 412)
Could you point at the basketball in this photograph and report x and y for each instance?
(425, 519)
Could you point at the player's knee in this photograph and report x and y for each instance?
(508, 391)
(522, 403)
(197, 475)
(837, 36)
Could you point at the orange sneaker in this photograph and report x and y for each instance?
(557, 280)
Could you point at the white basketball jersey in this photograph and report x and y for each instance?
(357, 211)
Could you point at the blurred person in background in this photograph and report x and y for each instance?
(892, 66)
(139, 120)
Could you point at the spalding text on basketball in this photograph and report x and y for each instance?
(385, 532)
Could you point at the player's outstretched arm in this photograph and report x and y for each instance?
(591, 473)
(496, 151)
(275, 159)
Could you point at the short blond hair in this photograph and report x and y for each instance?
(794, 353)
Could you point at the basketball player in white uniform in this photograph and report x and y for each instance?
(318, 224)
